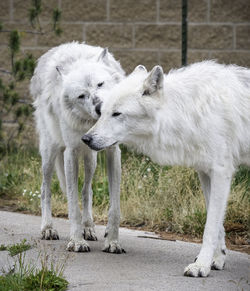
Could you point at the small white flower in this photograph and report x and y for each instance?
(24, 190)
(148, 169)
(145, 176)
(37, 192)
(34, 195)
(23, 193)
(30, 192)
(39, 196)
(147, 159)
(31, 199)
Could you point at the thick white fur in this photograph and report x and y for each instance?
(198, 116)
(62, 75)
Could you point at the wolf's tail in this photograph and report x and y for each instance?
(59, 165)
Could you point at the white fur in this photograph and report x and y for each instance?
(62, 75)
(198, 116)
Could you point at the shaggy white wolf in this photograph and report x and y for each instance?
(198, 116)
(67, 85)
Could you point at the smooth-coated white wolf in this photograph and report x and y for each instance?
(67, 85)
(198, 116)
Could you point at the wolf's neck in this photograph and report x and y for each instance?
(76, 120)
(170, 141)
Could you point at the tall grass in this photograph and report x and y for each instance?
(23, 275)
(171, 197)
(154, 197)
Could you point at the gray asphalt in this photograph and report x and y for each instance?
(149, 264)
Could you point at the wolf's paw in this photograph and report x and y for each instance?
(219, 261)
(50, 234)
(196, 270)
(78, 246)
(113, 247)
(89, 233)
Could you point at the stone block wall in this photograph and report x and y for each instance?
(139, 31)
(144, 32)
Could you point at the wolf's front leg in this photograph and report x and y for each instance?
(48, 153)
(87, 193)
(220, 187)
(112, 244)
(76, 243)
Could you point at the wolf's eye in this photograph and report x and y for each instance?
(99, 85)
(116, 114)
(81, 96)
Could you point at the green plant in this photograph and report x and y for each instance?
(18, 248)
(23, 276)
(15, 110)
(3, 247)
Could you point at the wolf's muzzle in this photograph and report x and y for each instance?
(88, 140)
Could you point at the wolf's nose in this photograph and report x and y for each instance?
(87, 139)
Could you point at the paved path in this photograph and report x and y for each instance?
(149, 264)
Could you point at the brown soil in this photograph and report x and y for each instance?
(234, 241)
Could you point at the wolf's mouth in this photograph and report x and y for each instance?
(95, 147)
(98, 148)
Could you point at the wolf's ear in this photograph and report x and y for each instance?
(154, 82)
(107, 58)
(103, 56)
(139, 69)
(117, 77)
(60, 72)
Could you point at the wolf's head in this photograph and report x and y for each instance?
(84, 84)
(129, 111)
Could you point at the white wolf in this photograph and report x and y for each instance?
(197, 116)
(67, 85)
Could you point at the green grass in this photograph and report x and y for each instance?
(38, 280)
(23, 276)
(154, 197)
(15, 249)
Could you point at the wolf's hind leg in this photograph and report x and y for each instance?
(220, 252)
(220, 181)
(59, 165)
(48, 154)
(87, 193)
